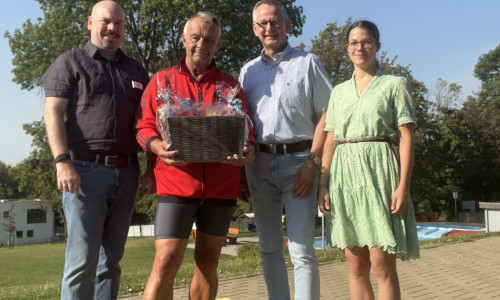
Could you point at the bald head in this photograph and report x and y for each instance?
(107, 27)
(107, 4)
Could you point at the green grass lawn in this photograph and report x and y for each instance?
(35, 271)
(31, 271)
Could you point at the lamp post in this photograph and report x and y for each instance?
(455, 196)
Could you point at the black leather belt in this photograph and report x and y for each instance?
(109, 160)
(284, 148)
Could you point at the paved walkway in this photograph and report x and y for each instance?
(467, 270)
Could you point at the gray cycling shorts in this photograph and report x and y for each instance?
(175, 217)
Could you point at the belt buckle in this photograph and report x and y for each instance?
(271, 148)
(111, 161)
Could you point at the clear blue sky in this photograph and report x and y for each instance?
(438, 38)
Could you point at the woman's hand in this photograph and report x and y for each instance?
(401, 198)
(324, 200)
(400, 202)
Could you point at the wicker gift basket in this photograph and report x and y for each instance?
(204, 132)
(207, 138)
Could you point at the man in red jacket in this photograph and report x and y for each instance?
(187, 192)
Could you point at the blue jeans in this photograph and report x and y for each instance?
(270, 178)
(98, 221)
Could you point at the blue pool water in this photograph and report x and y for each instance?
(425, 231)
(435, 231)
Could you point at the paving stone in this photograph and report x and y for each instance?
(457, 271)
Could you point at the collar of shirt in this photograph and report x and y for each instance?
(184, 70)
(93, 52)
(277, 57)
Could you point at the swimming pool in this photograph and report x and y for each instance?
(425, 231)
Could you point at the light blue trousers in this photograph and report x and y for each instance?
(270, 178)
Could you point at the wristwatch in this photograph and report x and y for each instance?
(62, 157)
(316, 159)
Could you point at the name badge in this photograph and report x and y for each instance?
(137, 85)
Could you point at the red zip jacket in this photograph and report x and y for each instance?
(197, 180)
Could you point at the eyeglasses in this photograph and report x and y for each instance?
(366, 44)
(274, 23)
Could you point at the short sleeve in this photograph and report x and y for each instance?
(404, 112)
(322, 85)
(329, 113)
(57, 80)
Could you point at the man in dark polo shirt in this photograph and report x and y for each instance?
(92, 96)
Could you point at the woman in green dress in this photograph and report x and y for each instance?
(365, 178)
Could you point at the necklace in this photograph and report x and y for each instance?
(362, 83)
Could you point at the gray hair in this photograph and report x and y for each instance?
(269, 2)
(206, 17)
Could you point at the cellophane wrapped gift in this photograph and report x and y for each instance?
(202, 132)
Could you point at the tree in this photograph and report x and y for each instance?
(483, 114)
(488, 71)
(37, 174)
(153, 33)
(463, 147)
(8, 186)
(145, 207)
(10, 226)
(471, 155)
(445, 95)
(481, 117)
(329, 45)
(156, 27)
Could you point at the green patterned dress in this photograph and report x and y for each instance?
(364, 176)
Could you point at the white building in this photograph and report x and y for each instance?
(33, 221)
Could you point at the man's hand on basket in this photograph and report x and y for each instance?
(248, 156)
(162, 150)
